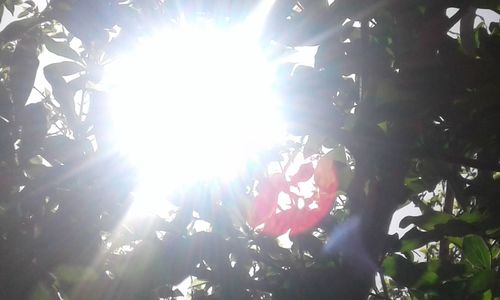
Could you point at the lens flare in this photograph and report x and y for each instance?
(193, 103)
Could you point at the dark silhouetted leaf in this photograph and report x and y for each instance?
(61, 48)
(9, 4)
(18, 28)
(313, 145)
(65, 68)
(24, 68)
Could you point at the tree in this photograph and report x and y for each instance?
(417, 124)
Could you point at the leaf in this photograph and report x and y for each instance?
(63, 94)
(427, 221)
(167, 292)
(63, 149)
(39, 160)
(344, 176)
(415, 184)
(409, 244)
(9, 4)
(325, 174)
(37, 167)
(313, 145)
(5, 103)
(305, 172)
(476, 252)
(64, 68)
(383, 125)
(488, 295)
(471, 217)
(24, 13)
(390, 92)
(61, 48)
(338, 154)
(281, 222)
(309, 242)
(456, 240)
(15, 30)
(429, 278)
(481, 281)
(178, 293)
(266, 201)
(24, 68)
(402, 270)
(389, 266)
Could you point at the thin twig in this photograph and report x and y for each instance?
(459, 14)
(444, 251)
(80, 112)
(377, 296)
(384, 284)
(40, 92)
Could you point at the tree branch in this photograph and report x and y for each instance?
(448, 209)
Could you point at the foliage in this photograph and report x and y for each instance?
(417, 125)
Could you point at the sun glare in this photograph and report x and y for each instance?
(193, 103)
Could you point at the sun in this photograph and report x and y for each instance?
(194, 102)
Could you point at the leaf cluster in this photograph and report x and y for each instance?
(408, 113)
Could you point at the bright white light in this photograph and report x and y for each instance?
(193, 103)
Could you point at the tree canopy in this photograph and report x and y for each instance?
(396, 111)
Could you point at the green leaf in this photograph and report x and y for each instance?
(455, 240)
(428, 279)
(383, 126)
(471, 217)
(481, 281)
(402, 270)
(415, 184)
(61, 48)
(476, 252)
(427, 221)
(487, 295)
(411, 244)
(389, 266)
(495, 251)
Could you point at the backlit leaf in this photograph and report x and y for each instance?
(476, 252)
(305, 172)
(325, 174)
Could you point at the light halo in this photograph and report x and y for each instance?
(193, 103)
